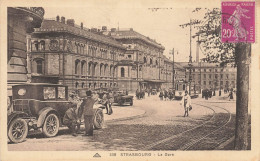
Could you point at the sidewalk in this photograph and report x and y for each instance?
(123, 112)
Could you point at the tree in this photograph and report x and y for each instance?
(209, 31)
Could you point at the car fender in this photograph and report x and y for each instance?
(14, 115)
(43, 113)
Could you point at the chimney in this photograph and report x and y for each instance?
(131, 29)
(113, 29)
(104, 28)
(58, 18)
(62, 19)
(71, 22)
(81, 25)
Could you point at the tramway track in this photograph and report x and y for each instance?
(196, 141)
(194, 135)
(151, 146)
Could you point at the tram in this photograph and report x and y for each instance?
(181, 87)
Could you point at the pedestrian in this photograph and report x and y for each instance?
(231, 95)
(105, 102)
(165, 95)
(186, 103)
(137, 94)
(161, 95)
(71, 120)
(171, 95)
(86, 109)
(110, 100)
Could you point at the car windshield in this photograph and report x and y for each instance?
(49, 92)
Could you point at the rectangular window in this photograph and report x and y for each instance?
(209, 82)
(49, 92)
(227, 76)
(210, 76)
(61, 92)
(221, 82)
(204, 82)
(204, 76)
(221, 76)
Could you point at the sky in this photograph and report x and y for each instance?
(161, 25)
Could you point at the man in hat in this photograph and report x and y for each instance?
(86, 109)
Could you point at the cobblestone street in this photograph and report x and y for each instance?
(150, 124)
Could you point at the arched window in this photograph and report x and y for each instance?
(89, 85)
(151, 61)
(36, 45)
(110, 70)
(78, 48)
(39, 66)
(83, 68)
(156, 62)
(42, 45)
(101, 70)
(77, 66)
(89, 68)
(82, 85)
(122, 72)
(105, 70)
(94, 69)
(77, 84)
(145, 60)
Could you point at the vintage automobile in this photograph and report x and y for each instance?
(41, 106)
(121, 98)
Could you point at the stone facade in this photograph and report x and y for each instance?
(73, 55)
(21, 21)
(211, 76)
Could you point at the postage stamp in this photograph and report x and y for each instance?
(238, 22)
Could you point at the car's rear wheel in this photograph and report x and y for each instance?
(51, 125)
(99, 119)
(18, 130)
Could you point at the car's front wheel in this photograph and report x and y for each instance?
(51, 125)
(131, 103)
(18, 130)
(99, 119)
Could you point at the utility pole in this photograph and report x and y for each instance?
(190, 61)
(173, 72)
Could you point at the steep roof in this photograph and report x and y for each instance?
(56, 26)
(131, 34)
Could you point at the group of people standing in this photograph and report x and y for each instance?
(75, 113)
(140, 94)
(166, 95)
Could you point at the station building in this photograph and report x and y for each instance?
(211, 76)
(63, 52)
